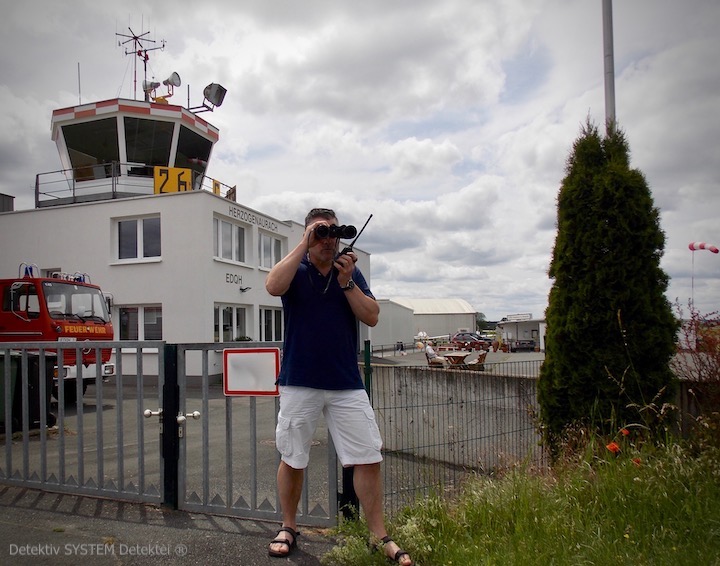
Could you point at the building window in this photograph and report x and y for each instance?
(92, 146)
(141, 323)
(271, 325)
(147, 144)
(139, 238)
(230, 323)
(270, 251)
(229, 240)
(193, 151)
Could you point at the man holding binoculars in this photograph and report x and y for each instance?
(324, 295)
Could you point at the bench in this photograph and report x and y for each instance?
(433, 361)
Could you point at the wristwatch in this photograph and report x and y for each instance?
(350, 286)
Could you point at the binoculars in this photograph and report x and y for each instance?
(333, 231)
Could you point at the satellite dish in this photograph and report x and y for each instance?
(172, 80)
(149, 86)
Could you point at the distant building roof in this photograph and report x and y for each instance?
(533, 320)
(436, 306)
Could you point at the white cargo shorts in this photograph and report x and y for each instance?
(349, 417)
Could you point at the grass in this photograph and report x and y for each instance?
(652, 505)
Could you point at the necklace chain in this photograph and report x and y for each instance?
(329, 278)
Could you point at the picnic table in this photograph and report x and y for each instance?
(456, 358)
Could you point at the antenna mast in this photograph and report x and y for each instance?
(139, 49)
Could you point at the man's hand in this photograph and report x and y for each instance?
(281, 275)
(309, 235)
(345, 265)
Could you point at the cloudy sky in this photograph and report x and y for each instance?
(449, 120)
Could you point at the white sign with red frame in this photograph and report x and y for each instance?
(251, 371)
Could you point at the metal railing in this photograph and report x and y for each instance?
(105, 181)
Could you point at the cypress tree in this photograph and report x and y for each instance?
(610, 329)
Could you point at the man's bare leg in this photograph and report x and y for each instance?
(367, 480)
(289, 482)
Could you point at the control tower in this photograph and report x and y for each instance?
(124, 148)
(117, 148)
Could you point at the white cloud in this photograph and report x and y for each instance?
(449, 121)
(416, 158)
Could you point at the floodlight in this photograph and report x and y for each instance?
(214, 94)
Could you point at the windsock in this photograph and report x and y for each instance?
(694, 246)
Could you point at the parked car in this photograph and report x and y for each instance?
(522, 345)
(469, 341)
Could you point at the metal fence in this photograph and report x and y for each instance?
(438, 426)
(441, 425)
(161, 431)
(227, 457)
(100, 447)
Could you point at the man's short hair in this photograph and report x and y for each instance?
(325, 213)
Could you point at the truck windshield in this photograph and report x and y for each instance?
(68, 300)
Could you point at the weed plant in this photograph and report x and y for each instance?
(618, 503)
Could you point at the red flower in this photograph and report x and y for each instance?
(637, 461)
(624, 431)
(613, 447)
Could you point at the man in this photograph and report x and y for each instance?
(323, 297)
(432, 356)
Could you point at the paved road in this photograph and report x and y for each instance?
(60, 529)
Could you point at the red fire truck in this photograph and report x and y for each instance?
(62, 307)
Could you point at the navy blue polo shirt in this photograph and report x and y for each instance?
(321, 331)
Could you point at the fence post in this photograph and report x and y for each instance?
(170, 439)
(368, 370)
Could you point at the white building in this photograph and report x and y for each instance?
(435, 317)
(523, 332)
(395, 325)
(182, 265)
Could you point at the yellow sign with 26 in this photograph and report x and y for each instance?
(172, 180)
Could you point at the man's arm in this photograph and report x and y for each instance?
(281, 275)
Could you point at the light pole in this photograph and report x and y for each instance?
(609, 65)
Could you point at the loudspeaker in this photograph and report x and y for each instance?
(149, 86)
(173, 80)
